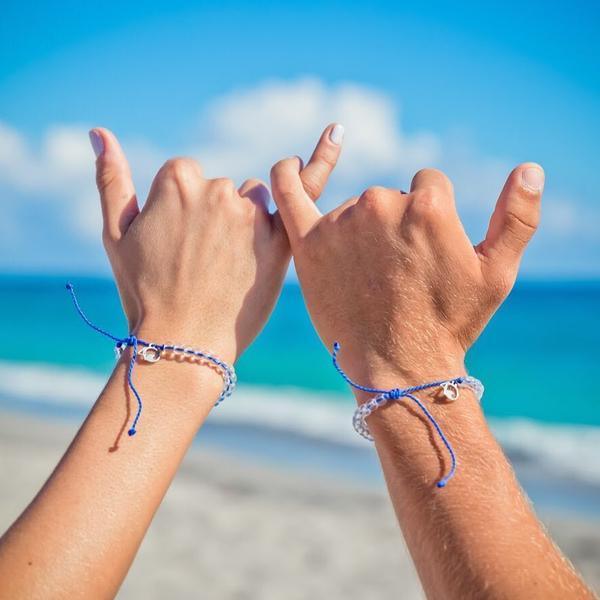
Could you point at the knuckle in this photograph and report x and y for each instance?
(281, 165)
(311, 187)
(109, 237)
(427, 203)
(520, 227)
(253, 182)
(275, 169)
(180, 169)
(430, 172)
(224, 187)
(105, 178)
(422, 173)
(373, 199)
(329, 159)
(257, 191)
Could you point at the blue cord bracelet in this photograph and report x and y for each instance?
(449, 387)
(151, 353)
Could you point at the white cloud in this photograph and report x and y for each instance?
(48, 186)
(564, 218)
(61, 161)
(247, 131)
(57, 175)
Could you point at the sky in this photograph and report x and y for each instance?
(471, 88)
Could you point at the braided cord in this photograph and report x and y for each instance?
(156, 350)
(383, 396)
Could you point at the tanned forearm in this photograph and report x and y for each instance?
(393, 277)
(478, 537)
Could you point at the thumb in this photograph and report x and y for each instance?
(296, 209)
(295, 188)
(514, 220)
(113, 178)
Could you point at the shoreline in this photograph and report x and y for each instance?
(297, 431)
(236, 528)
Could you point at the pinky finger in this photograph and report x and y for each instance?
(323, 160)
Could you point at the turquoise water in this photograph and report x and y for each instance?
(539, 358)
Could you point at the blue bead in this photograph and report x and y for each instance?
(131, 432)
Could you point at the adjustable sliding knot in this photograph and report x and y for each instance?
(151, 353)
(394, 394)
(449, 388)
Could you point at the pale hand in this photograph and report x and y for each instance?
(202, 263)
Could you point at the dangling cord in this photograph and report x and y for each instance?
(396, 394)
(444, 480)
(130, 340)
(78, 308)
(134, 343)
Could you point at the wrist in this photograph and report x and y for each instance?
(186, 334)
(182, 382)
(375, 372)
(398, 422)
(414, 423)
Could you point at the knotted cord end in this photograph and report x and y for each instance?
(362, 412)
(227, 371)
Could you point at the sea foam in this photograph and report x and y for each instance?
(568, 452)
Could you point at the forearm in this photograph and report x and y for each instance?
(79, 536)
(478, 536)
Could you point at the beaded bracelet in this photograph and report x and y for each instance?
(450, 391)
(151, 353)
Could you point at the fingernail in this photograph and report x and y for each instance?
(533, 178)
(97, 142)
(336, 135)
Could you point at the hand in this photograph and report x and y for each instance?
(202, 263)
(394, 278)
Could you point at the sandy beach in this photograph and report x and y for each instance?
(231, 529)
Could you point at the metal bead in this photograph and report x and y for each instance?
(450, 391)
(151, 353)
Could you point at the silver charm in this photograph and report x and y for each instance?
(150, 353)
(450, 390)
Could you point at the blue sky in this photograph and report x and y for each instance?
(473, 88)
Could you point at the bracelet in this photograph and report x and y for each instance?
(449, 388)
(151, 353)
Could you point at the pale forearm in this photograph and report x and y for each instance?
(79, 536)
(477, 537)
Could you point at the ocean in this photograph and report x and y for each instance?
(539, 360)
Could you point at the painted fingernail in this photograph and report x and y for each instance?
(336, 135)
(533, 178)
(97, 142)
